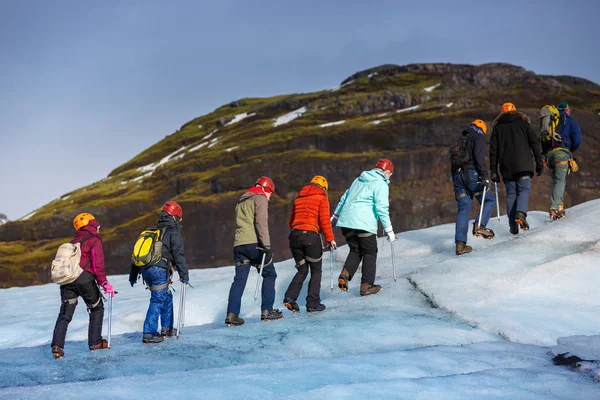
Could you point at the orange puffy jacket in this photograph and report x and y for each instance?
(310, 211)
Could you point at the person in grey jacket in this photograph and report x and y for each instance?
(251, 243)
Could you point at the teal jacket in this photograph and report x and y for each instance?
(366, 201)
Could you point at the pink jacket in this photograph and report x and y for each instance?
(92, 255)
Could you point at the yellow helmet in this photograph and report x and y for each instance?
(82, 220)
(321, 181)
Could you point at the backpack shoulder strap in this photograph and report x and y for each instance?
(85, 238)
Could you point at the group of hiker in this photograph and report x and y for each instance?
(515, 153)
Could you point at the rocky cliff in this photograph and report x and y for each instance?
(409, 114)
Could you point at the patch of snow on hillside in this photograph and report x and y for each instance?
(372, 75)
(139, 178)
(284, 119)
(200, 126)
(210, 134)
(3, 219)
(201, 145)
(173, 156)
(25, 218)
(382, 115)
(65, 198)
(213, 142)
(239, 117)
(430, 88)
(449, 104)
(232, 148)
(332, 124)
(408, 109)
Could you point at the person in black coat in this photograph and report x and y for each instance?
(158, 276)
(515, 153)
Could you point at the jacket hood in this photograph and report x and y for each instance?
(373, 175)
(253, 191)
(90, 229)
(164, 219)
(311, 190)
(508, 117)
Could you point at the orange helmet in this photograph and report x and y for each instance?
(321, 181)
(506, 107)
(266, 183)
(385, 165)
(173, 209)
(481, 125)
(82, 220)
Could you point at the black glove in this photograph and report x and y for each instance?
(539, 168)
(485, 181)
(494, 177)
(268, 254)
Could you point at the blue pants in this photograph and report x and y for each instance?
(517, 197)
(161, 301)
(245, 257)
(464, 190)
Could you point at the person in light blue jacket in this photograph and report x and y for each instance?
(365, 202)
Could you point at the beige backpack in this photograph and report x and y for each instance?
(65, 266)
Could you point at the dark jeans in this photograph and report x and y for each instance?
(246, 256)
(465, 190)
(363, 247)
(86, 287)
(307, 250)
(517, 197)
(161, 301)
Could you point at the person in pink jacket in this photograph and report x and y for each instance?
(85, 286)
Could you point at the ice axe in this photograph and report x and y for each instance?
(482, 201)
(262, 265)
(331, 269)
(497, 201)
(393, 262)
(110, 303)
(181, 317)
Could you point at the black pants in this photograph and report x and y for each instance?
(307, 251)
(363, 247)
(86, 287)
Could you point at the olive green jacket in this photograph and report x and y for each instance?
(252, 219)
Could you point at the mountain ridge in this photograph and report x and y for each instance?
(409, 114)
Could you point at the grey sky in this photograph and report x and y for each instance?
(87, 85)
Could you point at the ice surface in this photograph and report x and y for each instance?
(502, 308)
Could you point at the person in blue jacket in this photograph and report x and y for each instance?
(365, 202)
(557, 159)
(158, 277)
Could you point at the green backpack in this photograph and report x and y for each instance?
(549, 128)
(147, 250)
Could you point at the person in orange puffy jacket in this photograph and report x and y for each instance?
(310, 217)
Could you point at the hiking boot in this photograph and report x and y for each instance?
(482, 231)
(521, 220)
(514, 229)
(343, 280)
(168, 332)
(367, 289)
(462, 248)
(291, 305)
(57, 352)
(150, 338)
(318, 308)
(103, 344)
(233, 320)
(556, 213)
(267, 315)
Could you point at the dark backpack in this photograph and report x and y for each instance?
(459, 154)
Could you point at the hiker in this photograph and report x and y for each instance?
(470, 177)
(310, 217)
(85, 286)
(512, 144)
(365, 202)
(251, 243)
(158, 276)
(559, 158)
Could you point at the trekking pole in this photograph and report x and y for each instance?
(331, 269)
(481, 211)
(181, 309)
(262, 264)
(393, 262)
(497, 201)
(110, 301)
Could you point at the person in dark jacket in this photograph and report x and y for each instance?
(252, 242)
(469, 181)
(515, 153)
(85, 286)
(158, 277)
(557, 159)
(310, 217)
